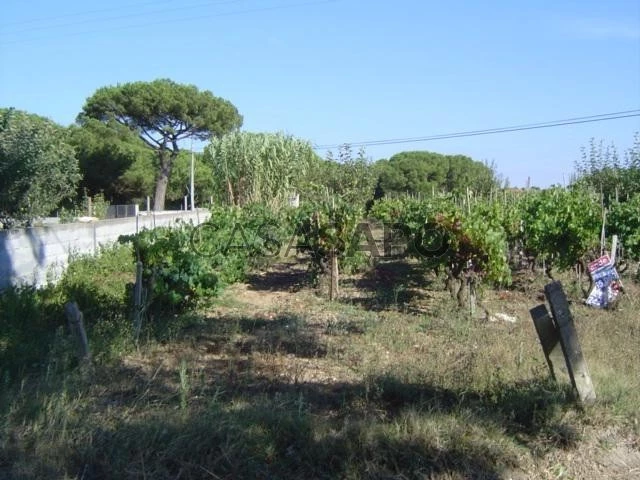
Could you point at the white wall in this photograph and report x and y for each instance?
(36, 255)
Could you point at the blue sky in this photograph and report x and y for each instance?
(351, 70)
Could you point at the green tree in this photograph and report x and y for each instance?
(163, 113)
(353, 179)
(38, 168)
(603, 170)
(258, 167)
(113, 161)
(422, 173)
(203, 179)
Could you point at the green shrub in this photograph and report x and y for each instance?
(32, 321)
(101, 286)
(186, 264)
(561, 226)
(329, 228)
(624, 221)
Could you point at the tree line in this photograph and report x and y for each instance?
(133, 140)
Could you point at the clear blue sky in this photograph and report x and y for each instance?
(351, 70)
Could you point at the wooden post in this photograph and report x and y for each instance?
(603, 232)
(386, 239)
(576, 364)
(614, 249)
(550, 341)
(468, 200)
(76, 327)
(137, 302)
(333, 283)
(472, 296)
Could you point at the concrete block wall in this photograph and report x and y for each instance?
(37, 255)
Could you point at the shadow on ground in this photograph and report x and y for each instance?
(228, 418)
(382, 428)
(285, 333)
(280, 277)
(391, 285)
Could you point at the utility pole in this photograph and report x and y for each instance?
(193, 207)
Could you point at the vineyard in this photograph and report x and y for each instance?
(467, 243)
(329, 340)
(319, 239)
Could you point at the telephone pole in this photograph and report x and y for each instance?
(193, 207)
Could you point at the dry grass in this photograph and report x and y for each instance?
(392, 382)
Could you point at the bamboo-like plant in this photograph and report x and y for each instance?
(258, 167)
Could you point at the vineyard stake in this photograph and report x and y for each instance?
(576, 363)
(76, 327)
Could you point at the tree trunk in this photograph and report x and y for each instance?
(472, 295)
(451, 284)
(582, 270)
(547, 271)
(462, 292)
(162, 181)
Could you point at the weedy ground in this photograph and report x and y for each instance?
(393, 381)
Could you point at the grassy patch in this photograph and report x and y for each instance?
(274, 382)
(33, 339)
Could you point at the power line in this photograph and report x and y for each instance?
(81, 14)
(515, 128)
(175, 20)
(122, 17)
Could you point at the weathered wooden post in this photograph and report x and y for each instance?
(333, 282)
(387, 238)
(471, 281)
(561, 329)
(137, 303)
(614, 250)
(76, 327)
(550, 341)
